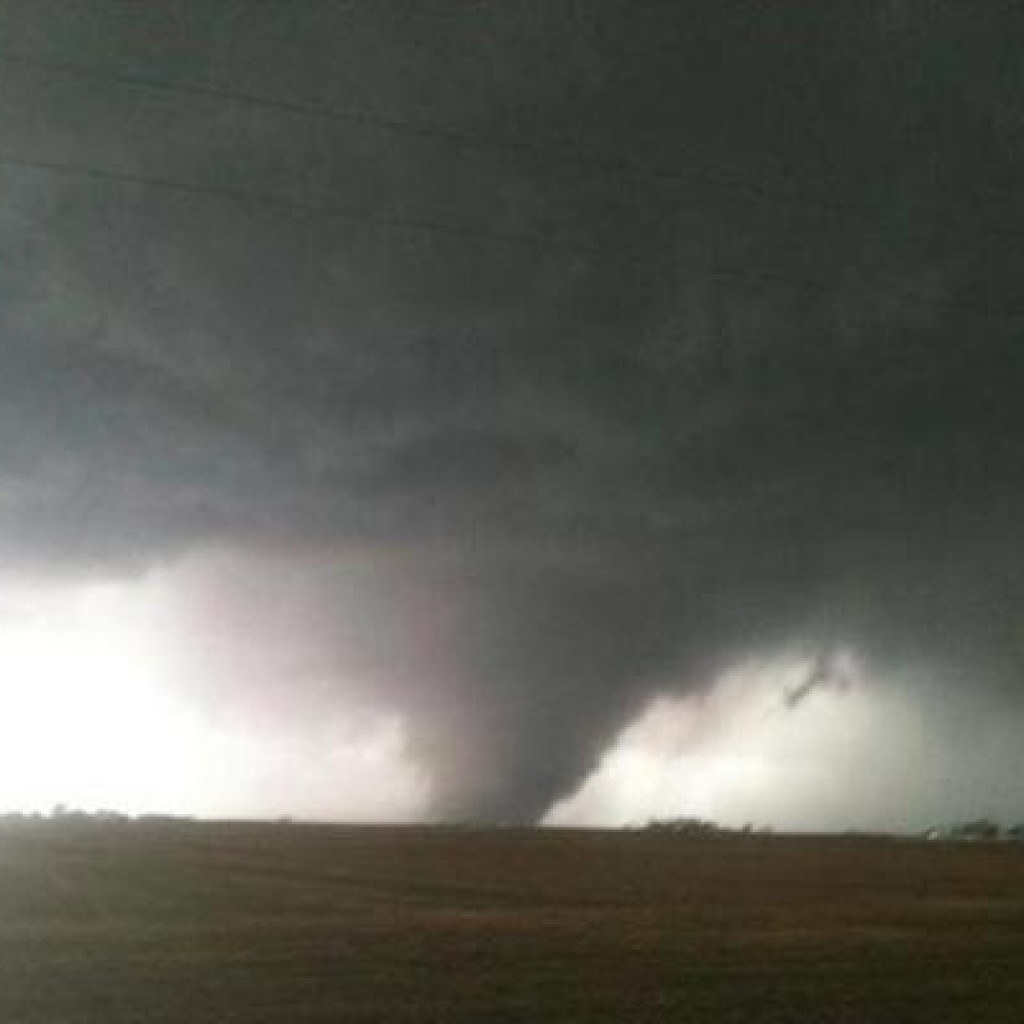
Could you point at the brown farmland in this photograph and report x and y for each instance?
(212, 923)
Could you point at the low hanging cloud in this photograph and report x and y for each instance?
(505, 494)
(877, 754)
(100, 708)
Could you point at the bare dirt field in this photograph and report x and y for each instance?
(255, 923)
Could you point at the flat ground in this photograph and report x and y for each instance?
(290, 923)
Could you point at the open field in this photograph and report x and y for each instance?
(245, 923)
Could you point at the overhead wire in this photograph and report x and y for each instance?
(465, 230)
(721, 181)
(474, 231)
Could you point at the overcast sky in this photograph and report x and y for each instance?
(432, 406)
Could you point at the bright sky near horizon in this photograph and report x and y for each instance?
(94, 714)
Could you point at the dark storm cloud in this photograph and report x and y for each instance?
(773, 400)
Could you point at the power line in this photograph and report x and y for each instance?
(417, 129)
(472, 232)
(232, 193)
(951, 218)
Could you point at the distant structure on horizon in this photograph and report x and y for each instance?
(978, 830)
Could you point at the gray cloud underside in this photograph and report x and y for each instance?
(616, 459)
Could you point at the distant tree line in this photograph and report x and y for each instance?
(973, 830)
(70, 815)
(977, 830)
(691, 826)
